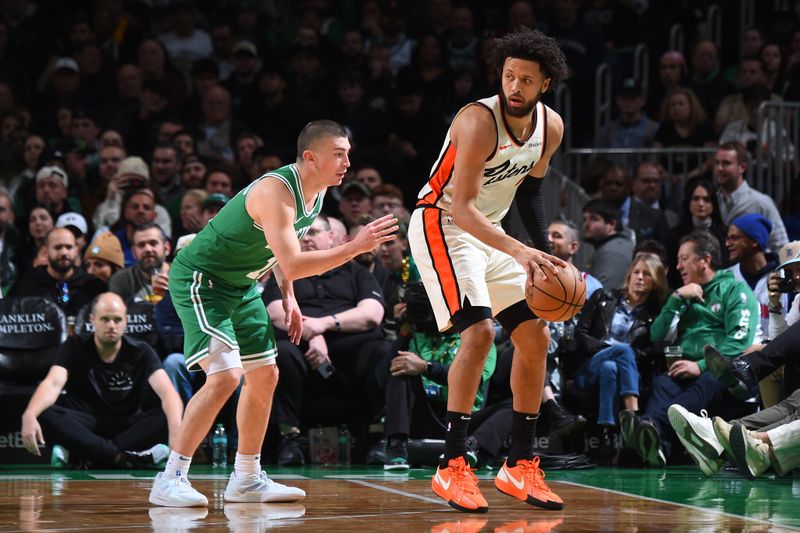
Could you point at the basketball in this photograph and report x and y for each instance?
(559, 297)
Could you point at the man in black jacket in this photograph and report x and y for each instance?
(342, 340)
(101, 417)
(60, 280)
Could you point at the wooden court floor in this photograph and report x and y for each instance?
(357, 499)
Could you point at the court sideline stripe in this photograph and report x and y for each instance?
(693, 507)
(397, 491)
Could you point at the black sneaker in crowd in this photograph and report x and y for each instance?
(732, 372)
(396, 453)
(648, 444)
(628, 422)
(155, 457)
(377, 453)
(292, 449)
(560, 421)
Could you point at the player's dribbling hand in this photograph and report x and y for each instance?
(294, 319)
(539, 264)
(375, 233)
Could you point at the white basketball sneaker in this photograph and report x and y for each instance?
(260, 489)
(175, 492)
(696, 433)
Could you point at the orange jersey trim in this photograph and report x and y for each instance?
(440, 177)
(442, 265)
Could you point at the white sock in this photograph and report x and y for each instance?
(247, 465)
(177, 465)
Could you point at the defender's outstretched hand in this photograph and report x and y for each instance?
(375, 233)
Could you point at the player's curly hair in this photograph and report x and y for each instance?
(533, 45)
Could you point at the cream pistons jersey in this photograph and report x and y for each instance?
(511, 160)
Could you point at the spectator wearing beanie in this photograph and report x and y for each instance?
(104, 256)
(747, 241)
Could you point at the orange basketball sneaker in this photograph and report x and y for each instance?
(458, 486)
(525, 482)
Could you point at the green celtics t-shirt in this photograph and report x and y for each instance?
(232, 248)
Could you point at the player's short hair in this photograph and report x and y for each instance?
(316, 130)
(533, 45)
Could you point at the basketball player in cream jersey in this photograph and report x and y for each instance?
(496, 149)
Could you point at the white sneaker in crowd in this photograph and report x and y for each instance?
(751, 454)
(696, 433)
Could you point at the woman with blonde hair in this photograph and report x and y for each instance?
(684, 123)
(613, 331)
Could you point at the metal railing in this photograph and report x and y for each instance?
(563, 106)
(641, 65)
(677, 38)
(778, 130)
(747, 18)
(602, 99)
(714, 21)
(676, 161)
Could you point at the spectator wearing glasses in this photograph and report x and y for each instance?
(60, 280)
(386, 199)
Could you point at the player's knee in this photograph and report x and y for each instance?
(225, 381)
(531, 332)
(480, 335)
(264, 373)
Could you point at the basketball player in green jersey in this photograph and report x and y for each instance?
(227, 331)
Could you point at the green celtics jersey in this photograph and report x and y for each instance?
(232, 248)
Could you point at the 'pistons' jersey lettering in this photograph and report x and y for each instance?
(511, 160)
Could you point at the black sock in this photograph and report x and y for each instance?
(455, 439)
(523, 431)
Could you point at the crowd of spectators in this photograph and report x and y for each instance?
(125, 126)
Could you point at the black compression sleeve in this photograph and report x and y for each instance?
(530, 205)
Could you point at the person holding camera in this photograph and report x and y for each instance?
(752, 366)
(129, 175)
(341, 346)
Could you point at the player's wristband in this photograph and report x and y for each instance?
(337, 324)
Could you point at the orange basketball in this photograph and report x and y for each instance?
(558, 298)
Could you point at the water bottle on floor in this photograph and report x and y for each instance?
(344, 445)
(219, 447)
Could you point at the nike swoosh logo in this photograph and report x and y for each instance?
(519, 484)
(501, 148)
(466, 418)
(531, 417)
(441, 481)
